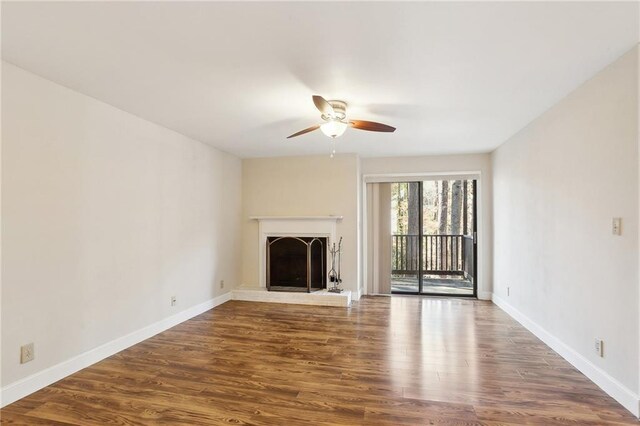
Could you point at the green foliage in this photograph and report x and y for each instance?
(431, 207)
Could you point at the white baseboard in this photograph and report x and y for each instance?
(358, 294)
(43, 378)
(627, 398)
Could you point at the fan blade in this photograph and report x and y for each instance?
(371, 126)
(322, 105)
(307, 130)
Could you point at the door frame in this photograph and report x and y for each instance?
(481, 287)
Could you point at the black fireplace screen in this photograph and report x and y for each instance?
(296, 263)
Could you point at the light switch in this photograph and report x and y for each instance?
(616, 228)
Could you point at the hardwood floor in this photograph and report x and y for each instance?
(386, 361)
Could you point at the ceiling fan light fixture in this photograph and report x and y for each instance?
(334, 113)
(334, 128)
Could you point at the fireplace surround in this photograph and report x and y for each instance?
(292, 226)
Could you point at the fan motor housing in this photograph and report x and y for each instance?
(339, 110)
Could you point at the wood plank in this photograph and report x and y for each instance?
(387, 361)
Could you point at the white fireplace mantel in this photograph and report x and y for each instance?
(280, 218)
(295, 226)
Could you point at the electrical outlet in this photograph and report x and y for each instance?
(221, 283)
(26, 353)
(616, 226)
(173, 301)
(599, 347)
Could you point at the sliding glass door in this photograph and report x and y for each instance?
(433, 237)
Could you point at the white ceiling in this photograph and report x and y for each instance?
(452, 77)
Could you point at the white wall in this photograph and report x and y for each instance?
(105, 217)
(301, 186)
(557, 185)
(480, 163)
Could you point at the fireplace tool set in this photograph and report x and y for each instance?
(334, 274)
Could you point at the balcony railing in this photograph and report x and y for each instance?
(441, 254)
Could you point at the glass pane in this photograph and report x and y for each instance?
(405, 238)
(447, 243)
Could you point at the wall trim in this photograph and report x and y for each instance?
(415, 177)
(627, 398)
(358, 294)
(26, 386)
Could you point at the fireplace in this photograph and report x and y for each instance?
(296, 263)
(321, 227)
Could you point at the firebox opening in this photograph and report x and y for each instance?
(296, 263)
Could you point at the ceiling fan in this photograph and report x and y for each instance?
(334, 113)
